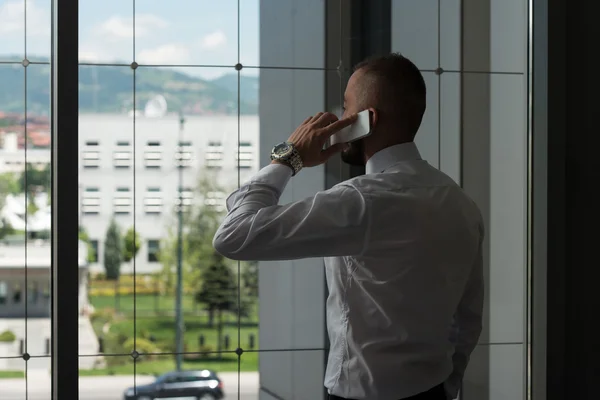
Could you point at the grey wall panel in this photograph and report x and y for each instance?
(427, 138)
(292, 294)
(495, 373)
(415, 31)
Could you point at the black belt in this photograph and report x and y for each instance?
(437, 392)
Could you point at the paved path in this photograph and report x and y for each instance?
(112, 387)
(34, 334)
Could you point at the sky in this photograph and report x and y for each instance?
(167, 32)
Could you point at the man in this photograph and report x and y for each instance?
(402, 244)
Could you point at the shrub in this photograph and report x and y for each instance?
(202, 353)
(103, 314)
(123, 291)
(7, 336)
(205, 350)
(142, 346)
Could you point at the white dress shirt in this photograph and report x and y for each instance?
(402, 247)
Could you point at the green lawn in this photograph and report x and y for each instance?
(160, 327)
(144, 303)
(228, 363)
(151, 305)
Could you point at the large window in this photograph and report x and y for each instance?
(161, 119)
(177, 108)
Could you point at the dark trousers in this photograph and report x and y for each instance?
(437, 393)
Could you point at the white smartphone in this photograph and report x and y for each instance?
(358, 130)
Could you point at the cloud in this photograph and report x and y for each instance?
(166, 54)
(89, 56)
(118, 27)
(12, 15)
(214, 40)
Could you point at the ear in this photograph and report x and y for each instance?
(374, 115)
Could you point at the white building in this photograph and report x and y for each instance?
(128, 171)
(25, 278)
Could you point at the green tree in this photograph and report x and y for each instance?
(248, 288)
(35, 178)
(113, 251)
(84, 237)
(132, 243)
(8, 185)
(6, 228)
(249, 278)
(218, 291)
(199, 226)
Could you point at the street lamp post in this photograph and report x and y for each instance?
(179, 286)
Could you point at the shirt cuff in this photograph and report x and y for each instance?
(275, 175)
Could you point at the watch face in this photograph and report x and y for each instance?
(282, 149)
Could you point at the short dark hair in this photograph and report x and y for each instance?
(400, 87)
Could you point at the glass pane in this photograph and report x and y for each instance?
(249, 32)
(202, 374)
(112, 379)
(38, 28)
(189, 128)
(15, 222)
(106, 32)
(186, 32)
(13, 385)
(37, 187)
(12, 29)
(107, 207)
(38, 377)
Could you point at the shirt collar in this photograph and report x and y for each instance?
(389, 156)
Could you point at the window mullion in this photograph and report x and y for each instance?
(64, 282)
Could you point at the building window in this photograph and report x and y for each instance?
(183, 155)
(3, 292)
(32, 293)
(244, 157)
(215, 201)
(94, 245)
(153, 250)
(214, 155)
(122, 156)
(153, 201)
(123, 202)
(153, 155)
(90, 204)
(16, 294)
(187, 194)
(91, 154)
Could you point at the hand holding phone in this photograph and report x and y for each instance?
(358, 130)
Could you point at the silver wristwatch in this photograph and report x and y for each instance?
(287, 153)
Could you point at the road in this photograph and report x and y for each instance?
(112, 387)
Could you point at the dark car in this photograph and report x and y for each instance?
(193, 385)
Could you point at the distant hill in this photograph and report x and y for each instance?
(109, 89)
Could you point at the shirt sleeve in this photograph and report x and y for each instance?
(467, 323)
(331, 223)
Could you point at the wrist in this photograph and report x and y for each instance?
(287, 154)
(279, 162)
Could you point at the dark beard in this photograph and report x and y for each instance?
(354, 154)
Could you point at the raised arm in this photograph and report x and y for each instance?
(331, 223)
